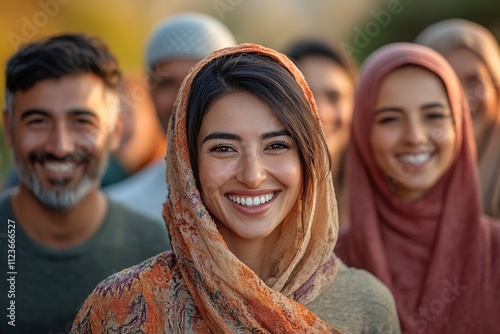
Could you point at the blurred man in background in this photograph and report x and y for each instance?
(141, 142)
(175, 46)
(332, 78)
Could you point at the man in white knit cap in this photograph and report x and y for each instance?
(175, 46)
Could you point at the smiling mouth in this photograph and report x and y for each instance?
(59, 173)
(415, 159)
(59, 167)
(251, 201)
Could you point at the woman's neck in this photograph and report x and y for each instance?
(256, 254)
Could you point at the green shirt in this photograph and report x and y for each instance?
(357, 302)
(48, 286)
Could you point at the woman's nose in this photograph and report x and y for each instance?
(251, 170)
(415, 132)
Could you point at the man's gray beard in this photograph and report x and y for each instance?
(61, 199)
(58, 200)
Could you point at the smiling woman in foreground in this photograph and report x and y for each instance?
(251, 214)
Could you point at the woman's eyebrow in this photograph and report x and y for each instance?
(433, 105)
(232, 136)
(398, 109)
(272, 134)
(384, 109)
(221, 135)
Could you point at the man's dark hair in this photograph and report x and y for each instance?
(58, 56)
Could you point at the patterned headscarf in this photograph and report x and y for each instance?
(201, 286)
(228, 294)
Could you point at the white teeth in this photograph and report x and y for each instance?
(57, 167)
(415, 159)
(252, 201)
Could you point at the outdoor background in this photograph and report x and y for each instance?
(360, 26)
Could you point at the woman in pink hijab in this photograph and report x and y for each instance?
(416, 220)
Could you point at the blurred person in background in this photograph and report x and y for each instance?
(142, 136)
(414, 206)
(332, 78)
(175, 46)
(474, 53)
(62, 121)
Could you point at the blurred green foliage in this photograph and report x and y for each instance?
(415, 15)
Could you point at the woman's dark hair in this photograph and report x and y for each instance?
(265, 78)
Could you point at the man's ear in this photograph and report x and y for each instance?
(7, 129)
(116, 133)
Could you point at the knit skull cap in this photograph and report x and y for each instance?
(188, 35)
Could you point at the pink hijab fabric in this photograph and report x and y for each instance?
(438, 255)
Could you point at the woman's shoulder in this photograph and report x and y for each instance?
(357, 302)
(360, 281)
(138, 276)
(125, 292)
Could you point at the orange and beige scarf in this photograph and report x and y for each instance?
(201, 286)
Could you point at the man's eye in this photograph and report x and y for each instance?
(164, 83)
(333, 97)
(83, 121)
(36, 121)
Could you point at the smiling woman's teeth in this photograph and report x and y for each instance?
(252, 201)
(415, 159)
